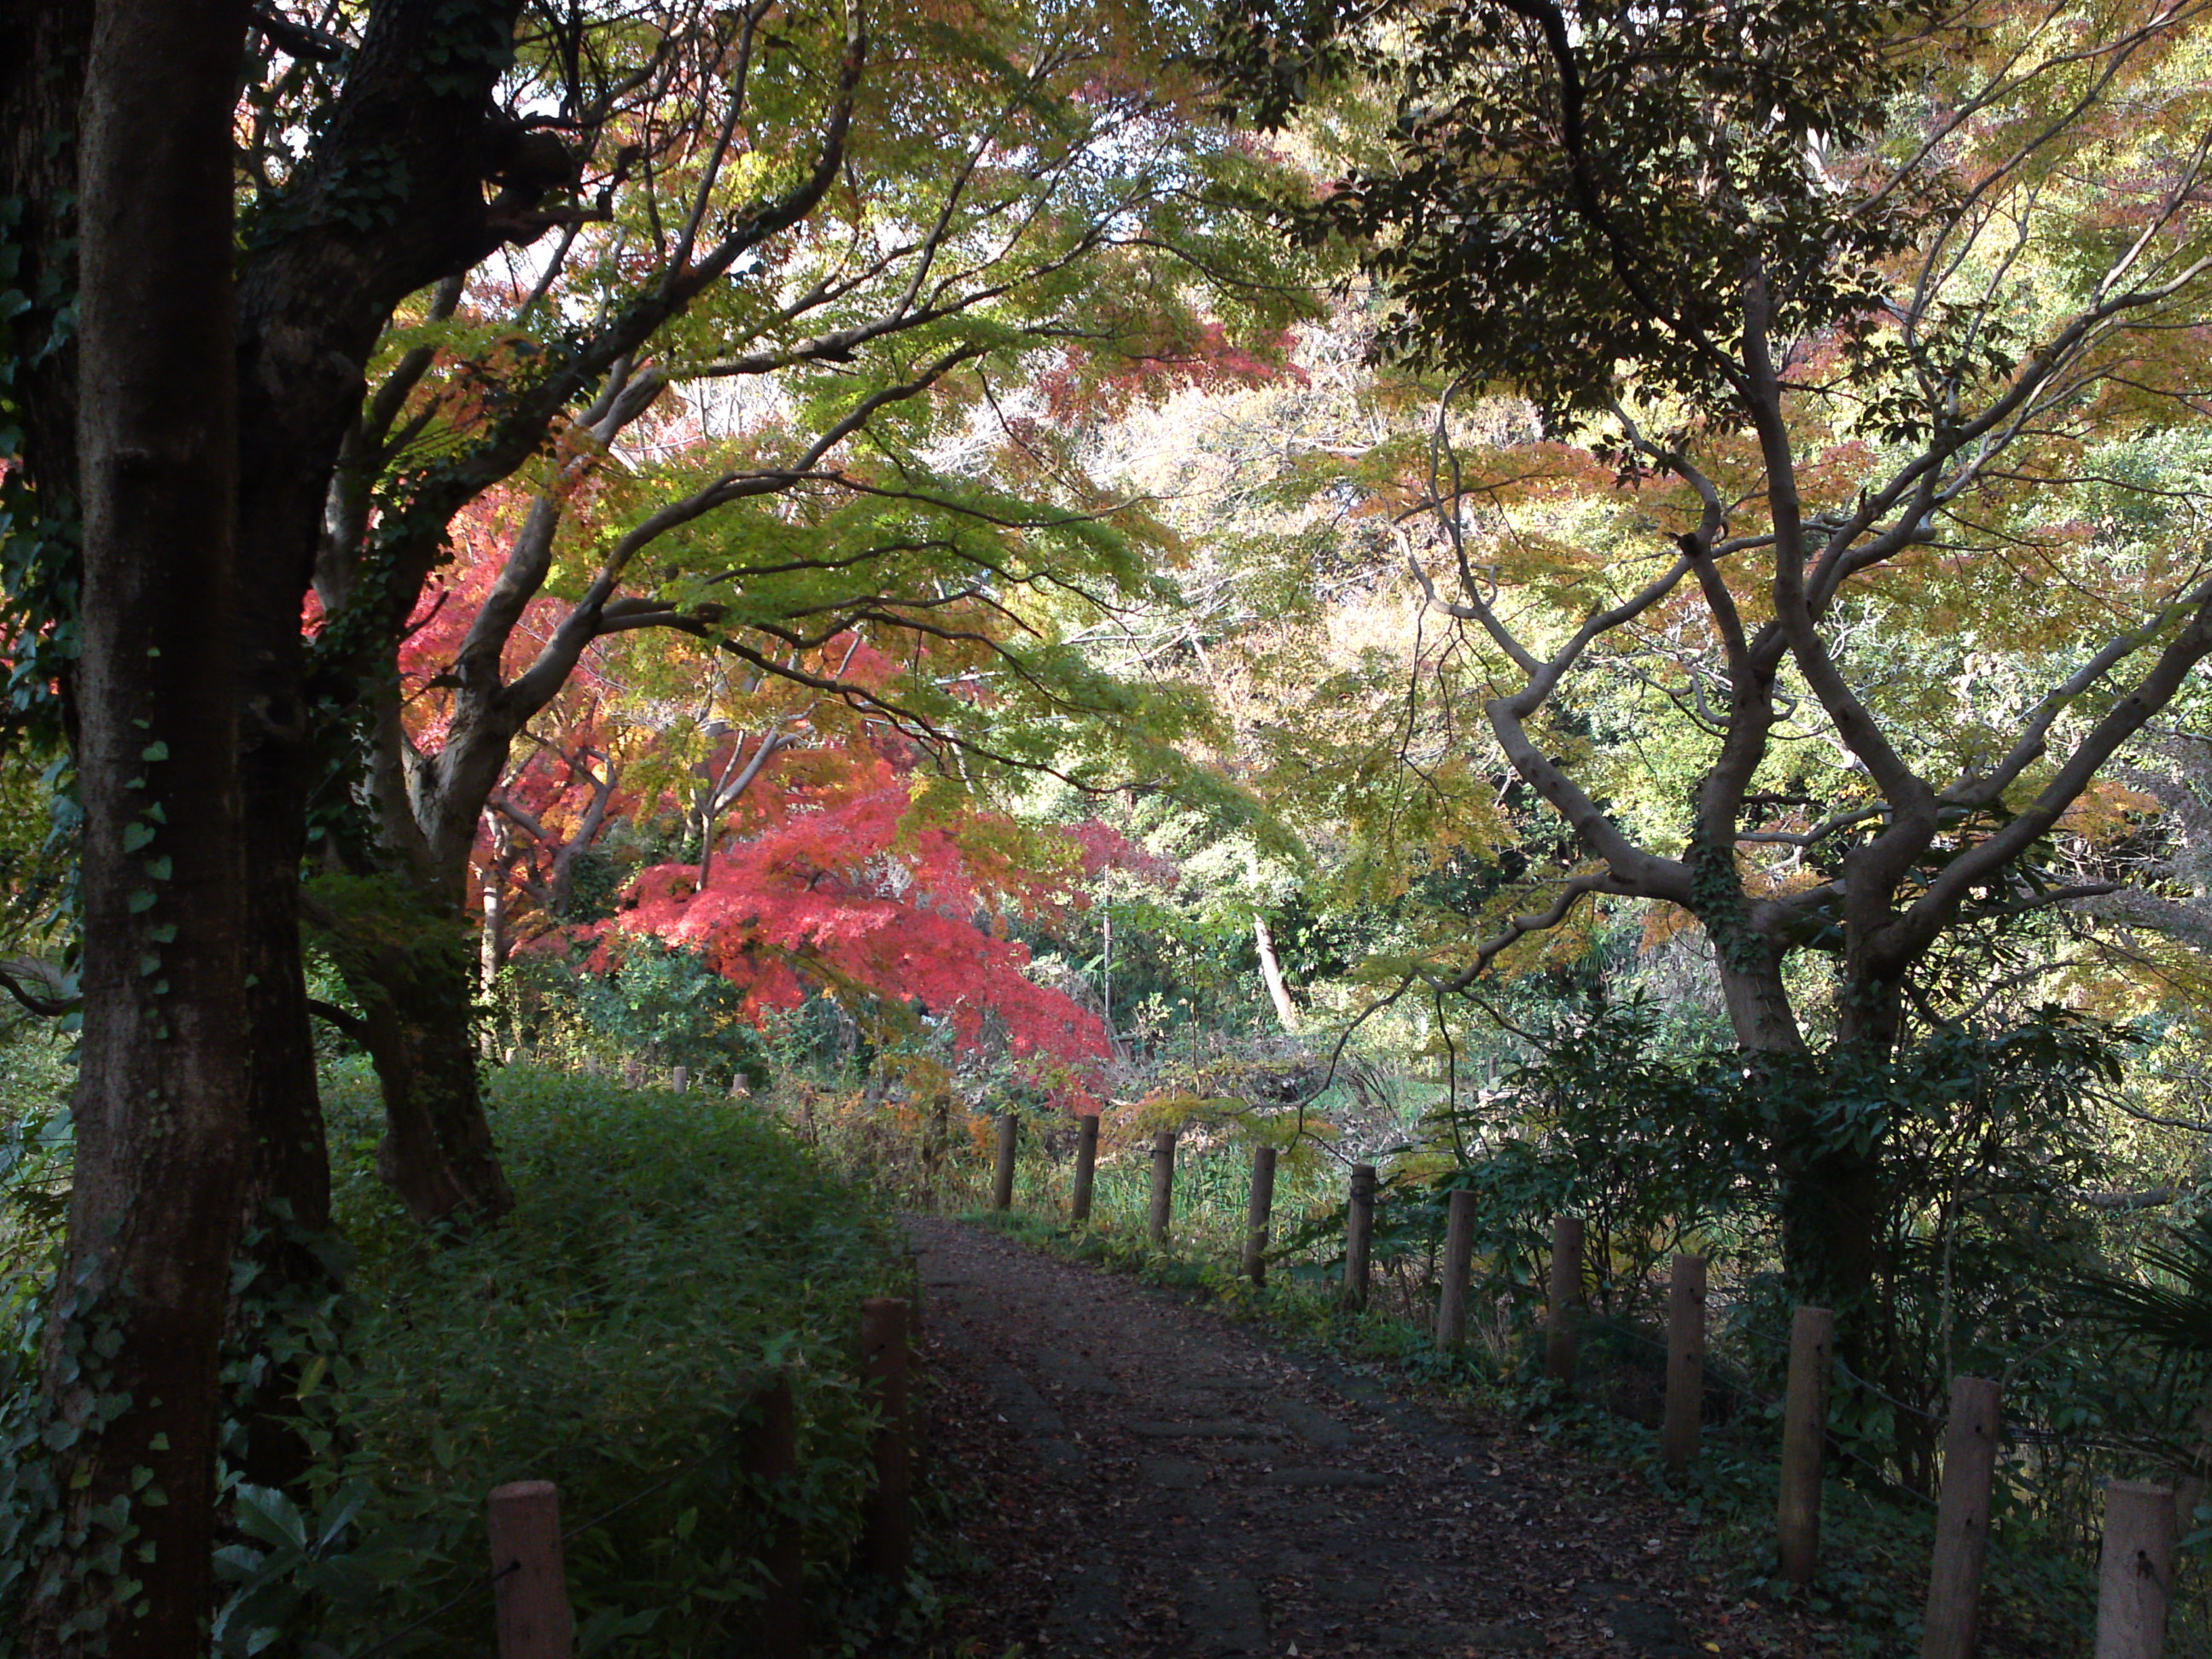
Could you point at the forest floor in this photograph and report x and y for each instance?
(1138, 1475)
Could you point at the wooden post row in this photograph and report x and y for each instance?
(1804, 1443)
(1002, 1177)
(767, 1453)
(1164, 1154)
(1459, 1263)
(1086, 1168)
(530, 1585)
(887, 1532)
(2135, 1571)
(1257, 1214)
(1962, 1522)
(1686, 1364)
(1560, 1337)
(1358, 1236)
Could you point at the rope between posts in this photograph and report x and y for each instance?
(2018, 1434)
(439, 1611)
(492, 1578)
(1886, 1397)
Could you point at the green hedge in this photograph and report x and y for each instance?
(664, 1250)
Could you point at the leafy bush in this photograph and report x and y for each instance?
(664, 1007)
(662, 1253)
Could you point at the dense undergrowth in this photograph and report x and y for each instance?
(2040, 1596)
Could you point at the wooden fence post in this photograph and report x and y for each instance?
(2135, 1571)
(1257, 1213)
(1459, 1261)
(887, 1538)
(1358, 1236)
(1686, 1364)
(1086, 1168)
(1804, 1440)
(679, 1079)
(1962, 1521)
(530, 1586)
(1560, 1339)
(1163, 1152)
(1002, 1177)
(768, 1453)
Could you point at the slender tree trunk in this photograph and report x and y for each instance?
(1270, 970)
(163, 1133)
(492, 947)
(491, 954)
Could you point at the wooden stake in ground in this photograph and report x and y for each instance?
(1163, 1152)
(1358, 1236)
(1560, 1334)
(887, 1535)
(679, 1079)
(1459, 1261)
(1804, 1440)
(1962, 1522)
(1002, 1177)
(2137, 1568)
(1257, 1213)
(530, 1584)
(768, 1453)
(1086, 1168)
(1686, 1364)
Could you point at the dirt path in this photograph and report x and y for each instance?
(1156, 1480)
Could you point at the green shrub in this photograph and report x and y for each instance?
(663, 1250)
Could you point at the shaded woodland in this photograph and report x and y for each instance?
(1595, 608)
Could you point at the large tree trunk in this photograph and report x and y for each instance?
(1831, 1198)
(131, 1351)
(404, 950)
(288, 1244)
(438, 1154)
(1832, 1201)
(42, 74)
(311, 304)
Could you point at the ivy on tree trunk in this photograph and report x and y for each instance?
(130, 1351)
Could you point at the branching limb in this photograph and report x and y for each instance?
(46, 1007)
(1540, 921)
(351, 1026)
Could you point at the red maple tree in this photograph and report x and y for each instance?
(871, 883)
